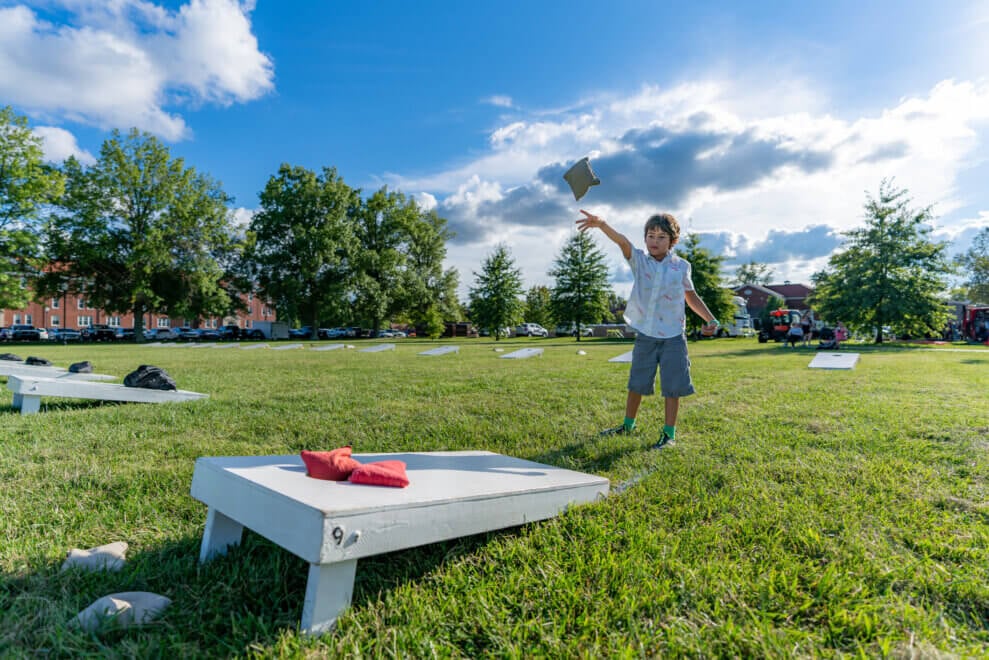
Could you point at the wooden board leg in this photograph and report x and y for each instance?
(220, 533)
(328, 594)
(30, 404)
(17, 401)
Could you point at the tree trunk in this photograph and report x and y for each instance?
(138, 323)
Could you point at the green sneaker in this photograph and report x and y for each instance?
(664, 441)
(618, 430)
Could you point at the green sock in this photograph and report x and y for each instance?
(670, 431)
(629, 423)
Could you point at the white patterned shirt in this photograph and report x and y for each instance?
(657, 305)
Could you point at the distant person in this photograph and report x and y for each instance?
(794, 335)
(840, 333)
(805, 326)
(661, 286)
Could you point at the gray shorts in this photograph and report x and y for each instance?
(670, 355)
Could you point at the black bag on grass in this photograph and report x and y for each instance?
(150, 378)
(37, 362)
(11, 357)
(85, 367)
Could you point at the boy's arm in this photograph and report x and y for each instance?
(590, 220)
(695, 303)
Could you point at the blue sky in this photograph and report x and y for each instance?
(761, 128)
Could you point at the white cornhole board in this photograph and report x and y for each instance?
(624, 357)
(378, 348)
(155, 344)
(286, 347)
(834, 361)
(208, 344)
(8, 368)
(441, 350)
(521, 354)
(328, 347)
(28, 391)
(224, 345)
(332, 524)
(248, 347)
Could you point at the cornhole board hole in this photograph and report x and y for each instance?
(332, 524)
(834, 361)
(328, 347)
(286, 347)
(441, 350)
(624, 357)
(28, 391)
(378, 348)
(249, 347)
(21, 369)
(521, 354)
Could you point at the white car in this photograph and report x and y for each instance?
(531, 330)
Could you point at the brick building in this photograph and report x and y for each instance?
(757, 296)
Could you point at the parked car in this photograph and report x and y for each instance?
(101, 332)
(185, 333)
(251, 333)
(5, 334)
(230, 332)
(570, 329)
(162, 334)
(64, 335)
(305, 332)
(531, 330)
(209, 334)
(22, 332)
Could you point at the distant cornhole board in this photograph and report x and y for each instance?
(248, 347)
(206, 345)
(29, 390)
(624, 357)
(521, 354)
(328, 347)
(332, 524)
(441, 350)
(378, 348)
(224, 345)
(286, 347)
(834, 361)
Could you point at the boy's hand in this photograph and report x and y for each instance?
(709, 329)
(588, 221)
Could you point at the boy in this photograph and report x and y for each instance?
(656, 311)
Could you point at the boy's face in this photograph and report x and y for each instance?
(658, 243)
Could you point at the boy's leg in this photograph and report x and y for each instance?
(632, 403)
(641, 382)
(675, 377)
(672, 409)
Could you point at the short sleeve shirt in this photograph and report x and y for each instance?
(657, 305)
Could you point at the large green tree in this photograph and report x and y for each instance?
(495, 298)
(580, 292)
(538, 301)
(138, 232)
(974, 267)
(753, 273)
(300, 242)
(27, 183)
(888, 272)
(705, 271)
(429, 293)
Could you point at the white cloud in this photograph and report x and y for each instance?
(131, 63)
(59, 144)
(242, 216)
(499, 100)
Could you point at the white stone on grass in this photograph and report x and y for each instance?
(581, 352)
(379, 348)
(109, 557)
(522, 354)
(624, 357)
(834, 361)
(122, 610)
(441, 350)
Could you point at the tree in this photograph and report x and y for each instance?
(580, 294)
(538, 306)
(889, 272)
(705, 271)
(137, 232)
(26, 185)
(495, 297)
(429, 292)
(616, 308)
(299, 242)
(974, 265)
(753, 273)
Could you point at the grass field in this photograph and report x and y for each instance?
(801, 513)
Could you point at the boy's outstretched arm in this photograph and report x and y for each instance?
(590, 220)
(700, 308)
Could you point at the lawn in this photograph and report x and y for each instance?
(801, 513)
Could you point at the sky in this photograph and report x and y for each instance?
(762, 128)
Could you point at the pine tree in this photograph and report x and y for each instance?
(580, 295)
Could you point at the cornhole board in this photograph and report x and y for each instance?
(28, 391)
(249, 347)
(223, 345)
(624, 357)
(521, 354)
(378, 348)
(441, 350)
(328, 347)
(834, 361)
(8, 368)
(332, 524)
(286, 347)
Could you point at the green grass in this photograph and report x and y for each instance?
(802, 512)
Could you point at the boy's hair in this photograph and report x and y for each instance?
(666, 223)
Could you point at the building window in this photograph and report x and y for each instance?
(81, 303)
(55, 303)
(113, 321)
(247, 323)
(55, 321)
(85, 321)
(164, 322)
(264, 311)
(250, 297)
(28, 320)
